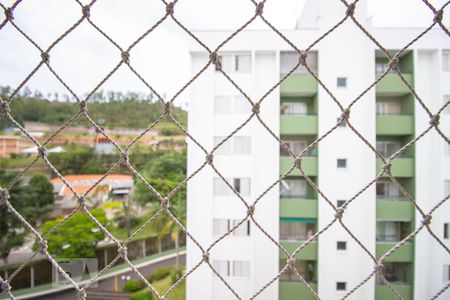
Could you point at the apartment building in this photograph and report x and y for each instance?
(298, 112)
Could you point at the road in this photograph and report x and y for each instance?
(107, 284)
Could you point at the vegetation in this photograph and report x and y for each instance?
(39, 199)
(77, 237)
(165, 174)
(12, 232)
(140, 113)
(162, 279)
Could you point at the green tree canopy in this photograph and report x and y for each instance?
(77, 237)
(39, 198)
(12, 231)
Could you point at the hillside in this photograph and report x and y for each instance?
(126, 113)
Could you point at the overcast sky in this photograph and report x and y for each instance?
(84, 57)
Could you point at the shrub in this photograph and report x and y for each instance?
(133, 285)
(159, 274)
(176, 274)
(145, 294)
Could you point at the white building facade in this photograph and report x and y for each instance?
(298, 112)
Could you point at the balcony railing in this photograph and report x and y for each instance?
(395, 124)
(298, 124)
(391, 84)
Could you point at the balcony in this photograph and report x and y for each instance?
(309, 252)
(392, 85)
(394, 209)
(295, 290)
(299, 85)
(298, 208)
(383, 292)
(298, 124)
(403, 254)
(309, 166)
(395, 124)
(401, 167)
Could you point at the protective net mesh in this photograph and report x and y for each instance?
(124, 62)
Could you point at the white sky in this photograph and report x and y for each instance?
(84, 57)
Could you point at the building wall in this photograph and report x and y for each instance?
(348, 53)
(430, 257)
(203, 206)
(356, 63)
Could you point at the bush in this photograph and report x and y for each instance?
(176, 275)
(145, 294)
(133, 285)
(159, 274)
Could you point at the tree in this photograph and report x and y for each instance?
(170, 165)
(144, 197)
(77, 237)
(12, 231)
(39, 199)
(178, 209)
(164, 174)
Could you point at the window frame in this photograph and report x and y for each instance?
(341, 286)
(340, 160)
(340, 243)
(341, 82)
(229, 62)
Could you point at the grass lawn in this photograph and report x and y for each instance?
(179, 293)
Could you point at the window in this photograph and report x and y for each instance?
(305, 268)
(225, 148)
(341, 286)
(241, 145)
(235, 62)
(296, 147)
(292, 230)
(388, 148)
(231, 104)
(447, 187)
(222, 226)
(222, 267)
(446, 273)
(294, 108)
(386, 189)
(241, 268)
(446, 61)
(288, 60)
(228, 268)
(389, 231)
(242, 63)
(340, 203)
(381, 68)
(241, 185)
(446, 233)
(293, 188)
(237, 145)
(342, 81)
(388, 107)
(341, 163)
(340, 245)
(396, 273)
(243, 229)
(342, 123)
(447, 108)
